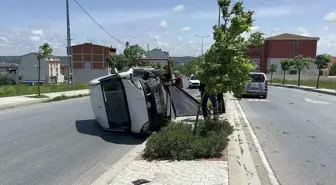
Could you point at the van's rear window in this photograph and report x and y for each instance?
(257, 77)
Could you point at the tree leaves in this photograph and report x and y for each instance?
(128, 58)
(226, 65)
(45, 50)
(322, 61)
(300, 62)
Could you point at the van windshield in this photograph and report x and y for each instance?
(193, 77)
(257, 77)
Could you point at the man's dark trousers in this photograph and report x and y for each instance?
(213, 100)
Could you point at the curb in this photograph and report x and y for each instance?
(36, 101)
(305, 89)
(21, 104)
(241, 165)
(118, 167)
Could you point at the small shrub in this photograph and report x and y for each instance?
(177, 142)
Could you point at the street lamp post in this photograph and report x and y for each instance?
(202, 37)
(39, 72)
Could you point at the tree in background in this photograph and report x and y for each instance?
(285, 66)
(321, 62)
(44, 51)
(332, 71)
(189, 68)
(299, 63)
(273, 69)
(226, 65)
(128, 58)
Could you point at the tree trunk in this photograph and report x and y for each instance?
(318, 79)
(299, 77)
(283, 79)
(198, 112)
(39, 77)
(271, 77)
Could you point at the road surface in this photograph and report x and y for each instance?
(57, 143)
(297, 130)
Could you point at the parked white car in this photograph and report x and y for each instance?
(193, 82)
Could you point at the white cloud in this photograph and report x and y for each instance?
(326, 28)
(255, 28)
(180, 38)
(35, 38)
(38, 32)
(330, 17)
(4, 39)
(178, 8)
(267, 12)
(303, 31)
(164, 24)
(187, 28)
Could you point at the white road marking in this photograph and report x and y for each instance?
(267, 166)
(315, 101)
(259, 100)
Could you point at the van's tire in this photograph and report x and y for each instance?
(264, 96)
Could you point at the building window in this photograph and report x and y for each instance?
(297, 44)
(292, 72)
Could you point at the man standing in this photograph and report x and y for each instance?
(178, 80)
(206, 97)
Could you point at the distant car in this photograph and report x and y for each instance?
(257, 86)
(193, 82)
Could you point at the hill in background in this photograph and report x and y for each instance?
(63, 59)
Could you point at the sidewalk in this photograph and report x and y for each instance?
(235, 167)
(17, 101)
(307, 88)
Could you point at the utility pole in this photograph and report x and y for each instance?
(147, 47)
(70, 64)
(219, 15)
(202, 37)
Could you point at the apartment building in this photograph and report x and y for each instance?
(89, 61)
(283, 46)
(50, 69)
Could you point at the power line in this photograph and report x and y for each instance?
(97, 23)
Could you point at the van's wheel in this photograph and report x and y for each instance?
(264, 96)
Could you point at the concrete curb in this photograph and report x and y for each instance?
(310, 89)
(31, 102)
(118, 167)
(21, 104)
(242, 169)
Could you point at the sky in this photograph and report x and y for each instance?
(170, 25)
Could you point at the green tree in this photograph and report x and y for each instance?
(226, 65)
(285, 66)
(273, 68)
(117, 61)
(132, 53)
(128, 58)
(44, 51)
(332, 71)
(299, 63)
(321, 62)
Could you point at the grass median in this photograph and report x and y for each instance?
(20, 90)
(326, 84)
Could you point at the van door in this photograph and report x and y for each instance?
(116, 104)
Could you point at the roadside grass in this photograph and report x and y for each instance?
(63, 97)
(19, 90)
(326, 84)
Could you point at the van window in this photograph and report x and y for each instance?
(193, 77)
(257, 77)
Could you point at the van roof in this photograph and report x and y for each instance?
(257, 73)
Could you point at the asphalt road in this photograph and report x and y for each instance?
(297, 130)
(57, 143)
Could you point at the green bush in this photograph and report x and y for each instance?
(177, 141)
(18, 90)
